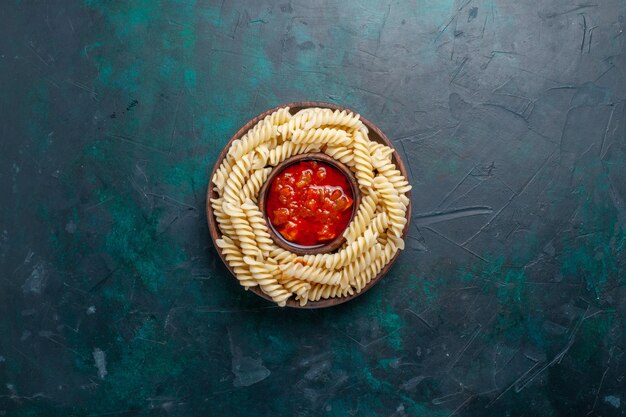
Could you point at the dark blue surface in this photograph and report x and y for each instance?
(508, 301)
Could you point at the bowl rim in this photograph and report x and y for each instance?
(296, 106)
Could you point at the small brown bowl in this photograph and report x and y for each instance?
(375, 134)
(313, 156)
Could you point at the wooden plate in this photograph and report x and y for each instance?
(375, 134)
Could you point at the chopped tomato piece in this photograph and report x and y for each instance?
(281, 216)
(305, 178)
(290, 231)
(335, 194)
(288, 178)
(286, 194)
(287, 191)
(343, 203)
(312, 194)
(312, 204)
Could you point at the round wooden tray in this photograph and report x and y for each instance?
(375, 134)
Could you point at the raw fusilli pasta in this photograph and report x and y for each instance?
(330, 136)
(251, 188)
(328, 117)
(363, 162)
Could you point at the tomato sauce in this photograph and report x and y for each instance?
(310, 203)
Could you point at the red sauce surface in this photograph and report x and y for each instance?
(310, 203)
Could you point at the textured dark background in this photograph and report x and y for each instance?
(510, 299)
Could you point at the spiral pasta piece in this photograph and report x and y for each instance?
(265, 275)
(341, 153)
(328, 117)
(251, 188)
(379, 223)
(329, 136)
(266, 132)
(279, 117)
(259, 227)
(261, 153)
(223, 220)
(354, 268)
(343, 256)
(380, 153)
(311, 273)
(219, 178)
(325, 291)
(393, 205)
(244, 231)
(281, 255)
(387, 253)
(372, 239)
(364, 215)
(298, 287)
(363, 162)
(296, 122)
(394, 176)
(289, 149)
(236, 179)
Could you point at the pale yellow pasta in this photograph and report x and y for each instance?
(372, 239)
(265, 133)
(330, 136)
(256, 134)
(296, 122)
(379, 224)
(261, 154)
(244, 231)
(289, 149)
(234, 257)
(324, 291)
(281, 255)
(387, 253)
(296, 286)
(394, 176)
(380, 153)
(265, 274)
(327, 117)
(262, 236)
(223, 220)
(392, 204)
(279, 117)
(341, 153)
(236, 179)
(363, 162)
(382, 238)
(311, 273)
(251, 188)
(219, 178)
(343, 256)
(354, 268)
(364, 214)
